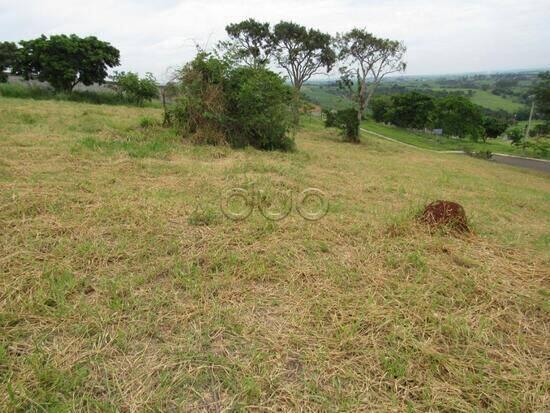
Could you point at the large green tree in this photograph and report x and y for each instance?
(542, 95)
(302, 53)
(65, 61)
(457, 116)
(249, 43)
(8, 57)
(412, 110)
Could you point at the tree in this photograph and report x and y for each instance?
(135, 89)
(381, 109)
(357, 49)
(386, 59)
(457, 116)
(249, 43)
(65, 61)
(302, 53)
(8, 57)
(412, 110)
(542, 95)
(368, 56)
(494, 127)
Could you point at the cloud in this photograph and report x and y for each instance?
(442, 37)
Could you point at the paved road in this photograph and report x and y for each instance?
(536, 164)
(530, 163)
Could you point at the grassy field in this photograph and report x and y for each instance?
(443, 143)
(494, 102)
(324, 98)
(124, 288)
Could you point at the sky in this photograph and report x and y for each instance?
(442, 37)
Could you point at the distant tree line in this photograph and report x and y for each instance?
(455, 115)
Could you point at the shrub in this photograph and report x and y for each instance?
(345, 119)
(540, 146)
(515, 135)
(238, 106)
(258, 113)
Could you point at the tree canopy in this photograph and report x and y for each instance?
(457, 116)
(65, 61)
(8, 56)
(250, 43)
(302, 52)
(136, 89)
(365, 55)
(542, 95)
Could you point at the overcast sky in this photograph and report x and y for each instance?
(443, 36)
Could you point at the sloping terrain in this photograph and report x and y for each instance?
(124, 288)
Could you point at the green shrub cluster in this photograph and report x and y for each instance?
(239, 106)
(345, 119)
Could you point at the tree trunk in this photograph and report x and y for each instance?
(296, 106)
(361, 102)
(370, 95)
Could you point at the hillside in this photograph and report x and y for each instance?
(124, 288)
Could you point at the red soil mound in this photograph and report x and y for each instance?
(445, 214)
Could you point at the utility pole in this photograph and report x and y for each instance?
(530, 118)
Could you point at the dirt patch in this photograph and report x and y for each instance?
(445, 214)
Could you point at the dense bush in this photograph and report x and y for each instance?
(258, 113)
(515, 135)
(238, 106)
(540, 146)
(542, 129)
(347, 120)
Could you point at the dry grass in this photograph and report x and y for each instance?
(123, 287)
